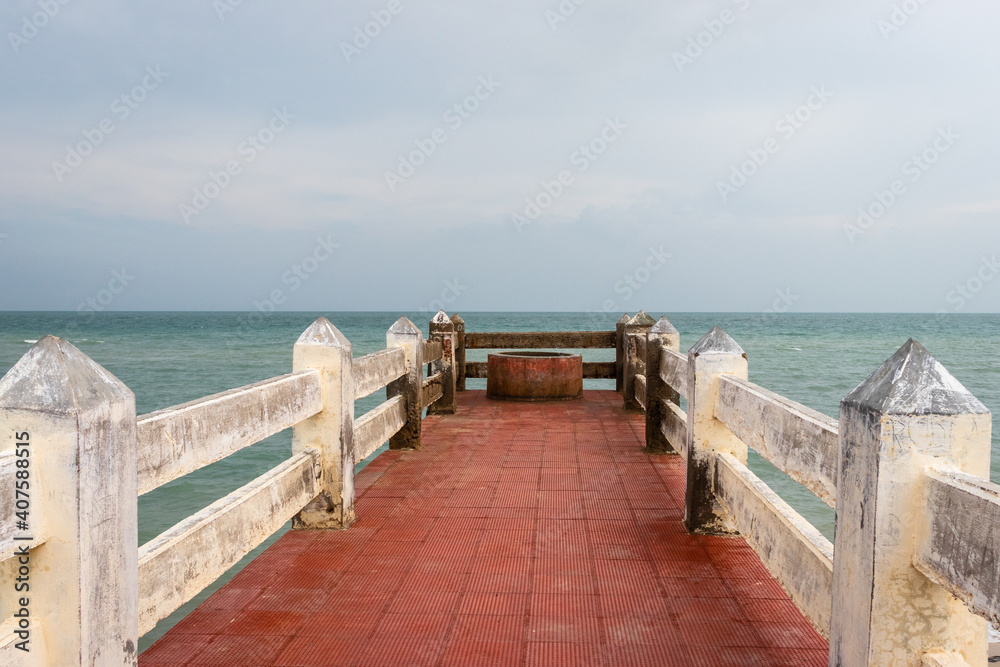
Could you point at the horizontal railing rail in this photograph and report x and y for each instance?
(791, 548)
(378, 426)
(432, 351)
(181, 439)
(179, 563)
(960, 549)
(521, 340)
(674, 371)
(374, 371)
(799, 441)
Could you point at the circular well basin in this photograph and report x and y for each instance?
(534, 375)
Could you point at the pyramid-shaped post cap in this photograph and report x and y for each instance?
(716, 341)
(457, 319)
(323, 333)
(663, 326)
(404, 326)
(912, 382)
(624, 319)
(442, 323)
(56, 377)
(642, 319)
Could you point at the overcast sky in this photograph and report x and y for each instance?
(673, 156)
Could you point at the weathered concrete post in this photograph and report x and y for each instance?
(662, 336)
(714, 355)
(459, 323)
(76, 423)
(443, 330)
(910, 414)
(407, 336)
(620, 352)
(322, 347)
(637, 326)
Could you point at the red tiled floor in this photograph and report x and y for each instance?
(520, 534)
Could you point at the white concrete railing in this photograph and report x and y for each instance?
(917, 555)
(89, 457)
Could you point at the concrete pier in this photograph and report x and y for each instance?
(624, 528)
(519, 534)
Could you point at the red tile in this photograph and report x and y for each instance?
(783, 635)
(483, 654)
(349, 623)
(556, 655)
(564, 629)
(497, 604)
(320, 651)
(261, 622)
(565, 584)
(488, 628)
(423, 602)
(633, 606)
(405, 652)
(695, 587)
(702, 632)
(660, 653)
(418, 626)
(547, 604)
(229, 597)
(228, 650)
(486, 582)
(175, 649)
(205, 621)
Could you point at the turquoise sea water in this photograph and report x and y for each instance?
(170, 358)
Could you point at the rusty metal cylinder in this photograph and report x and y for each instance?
(531, 375)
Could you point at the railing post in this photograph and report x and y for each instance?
(322, 347)
(637, 326)
(714, 355)
(908, 415)
(662, 336)
(442, 329)
(406, 335)
(79, 424)
(459, 323)
(620, 352)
